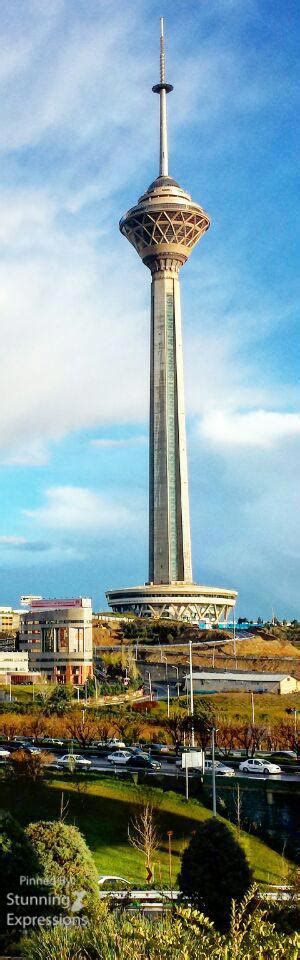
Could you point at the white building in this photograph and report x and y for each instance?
(13, 663)
(217, 681)
(58, 637)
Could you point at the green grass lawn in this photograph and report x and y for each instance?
(103, 810)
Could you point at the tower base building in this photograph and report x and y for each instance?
(190, 602)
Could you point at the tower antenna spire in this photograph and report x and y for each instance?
(163, 88)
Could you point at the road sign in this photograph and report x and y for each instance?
(193, 758)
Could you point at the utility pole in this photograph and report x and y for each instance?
(173, 665)
(191, 693)
(186, 783)
(168, 699)
(234, 641)
(253, 710)
(214, 795)
(150, 685)
(170, 834)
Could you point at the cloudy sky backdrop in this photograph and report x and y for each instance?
(78, 145)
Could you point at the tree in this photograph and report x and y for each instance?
(214, 872)
(66, 858)
(202, 722)
(27, 769)
(227, 736)
(175, 725)
(17, 859)
(143, 836)
(59, 700)
(10, 725)
(82, 727)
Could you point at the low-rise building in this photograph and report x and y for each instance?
(13, 663)
(218, 681)
(9, 619)
(58, 637)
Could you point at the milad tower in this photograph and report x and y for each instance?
(164, 227)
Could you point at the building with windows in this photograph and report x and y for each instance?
(9, 619)
(12, 663)
(58, 637)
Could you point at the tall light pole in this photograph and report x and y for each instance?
(166, 662)
(168, 699)
(173, 667)
(191, 692)
(150, 685)
(252, 708)
(214, 793)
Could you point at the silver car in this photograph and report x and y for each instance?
(221, 768)
(119, 756)
(74, 760)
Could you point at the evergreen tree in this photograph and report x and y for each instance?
(214, 872)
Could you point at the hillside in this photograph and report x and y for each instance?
(275, 649)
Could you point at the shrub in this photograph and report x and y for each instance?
(66, 859)
(185, 935)
(214, 872)
(17, 859)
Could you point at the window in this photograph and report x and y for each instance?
(62, 639)
(48, 640)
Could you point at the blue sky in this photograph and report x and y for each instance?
(78, 145)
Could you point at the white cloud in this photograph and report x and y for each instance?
(119, 442)
(12, 541)
(256, 428)
(81, 509)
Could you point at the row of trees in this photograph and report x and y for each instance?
(88, 725)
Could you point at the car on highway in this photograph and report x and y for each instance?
(116, 744)
(4, 754)
(222, 770)
(74, 760)
(138, 762)
(254, 765)
(120, 756)
(284, 756)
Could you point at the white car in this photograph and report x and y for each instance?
(221, 768)
(74, 759)
(120, 756)
(254, 765)
(4, 754)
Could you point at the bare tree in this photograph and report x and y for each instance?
(143, 836)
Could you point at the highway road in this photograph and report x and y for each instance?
(168, 768)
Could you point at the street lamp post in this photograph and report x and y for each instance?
(173, 666)
(166, 662)
(170, 834)
(191, 693)
(150, 685)
(214, 794)
(168, 700)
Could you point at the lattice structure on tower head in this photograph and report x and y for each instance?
(165, 219)
(145, 229)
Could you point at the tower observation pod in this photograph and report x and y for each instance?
(164, 227)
